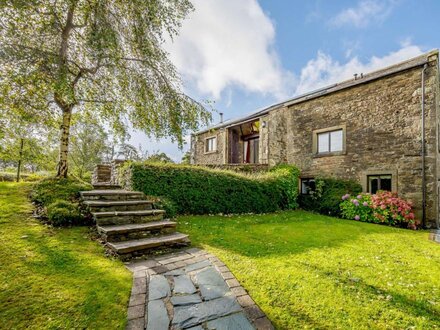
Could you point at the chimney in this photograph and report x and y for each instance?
(221, 117)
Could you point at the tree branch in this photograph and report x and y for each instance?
(65, 34)
(95, 101)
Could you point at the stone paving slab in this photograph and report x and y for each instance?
(158, 318)
(159, 287)
(192, 290)
(236, 321)
(186, 300)
(188, 316)
(183, 285)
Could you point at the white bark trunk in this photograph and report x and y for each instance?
(62, 167)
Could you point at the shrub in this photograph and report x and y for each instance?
(200, 190)
(327, 196)
(48, 190)
(33, 177)
(163, 203)
(384, 207)
(64, 213)
(58, 200)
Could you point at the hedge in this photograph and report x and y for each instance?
(327, 197)
(199, 190)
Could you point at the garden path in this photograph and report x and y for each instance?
(190, 289)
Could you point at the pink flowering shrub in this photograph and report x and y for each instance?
(383, 207)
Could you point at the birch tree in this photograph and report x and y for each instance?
(99, 58)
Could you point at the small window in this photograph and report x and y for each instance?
(307, 186)
(379, 182)
(330, 141)
(211, 144)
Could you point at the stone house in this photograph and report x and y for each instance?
(369, 128)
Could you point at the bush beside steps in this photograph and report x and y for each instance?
(58, 200)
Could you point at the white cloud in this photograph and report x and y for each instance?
(318, 72)
(366, 12)
(323, 70)
(229, 43)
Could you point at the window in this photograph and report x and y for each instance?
(307, 186)
(379, 182)
(331, 141)
(211, 144)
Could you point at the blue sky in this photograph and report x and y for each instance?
(245, 55)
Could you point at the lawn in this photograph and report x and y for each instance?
(55, 278)
(316, 272)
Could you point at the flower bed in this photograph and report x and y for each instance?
(384, 207)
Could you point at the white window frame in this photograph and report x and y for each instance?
(208, 147)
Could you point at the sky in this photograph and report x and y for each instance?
(248, 54)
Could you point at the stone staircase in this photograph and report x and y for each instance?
(127, 222)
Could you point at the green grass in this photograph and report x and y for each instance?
(55, 278)
(316, 272)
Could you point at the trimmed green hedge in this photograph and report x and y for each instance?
(199, 190)
(327, 197)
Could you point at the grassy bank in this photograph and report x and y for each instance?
(316, 272)
(55, 278)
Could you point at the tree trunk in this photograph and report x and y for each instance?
(64, 144)
(20, 156)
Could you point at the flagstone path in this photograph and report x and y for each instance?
(190, 289)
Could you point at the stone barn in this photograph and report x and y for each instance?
(379, 128)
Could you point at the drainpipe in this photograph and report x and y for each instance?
(423, 149)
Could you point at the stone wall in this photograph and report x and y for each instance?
(107, 173)
(215, 157)
(101, 174)
(382, 124)
(115, 164)
(264, 140)
(383, 133)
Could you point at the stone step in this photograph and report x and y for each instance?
(112, 195)
(104, 170)
(127, 217)
(107, 206)
(103, 165)
(140, 246)
(105, 186)
(136, 230)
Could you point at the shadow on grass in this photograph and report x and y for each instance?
(401, 302)
(55, 278)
